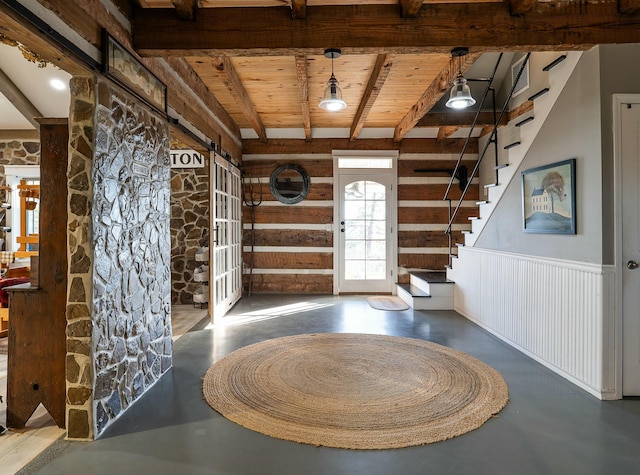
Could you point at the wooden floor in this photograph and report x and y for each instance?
(19, 447)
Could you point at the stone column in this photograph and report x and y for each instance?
(79, 365)
(119, 307)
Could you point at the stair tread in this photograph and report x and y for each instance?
(414, 291)
(432, 277)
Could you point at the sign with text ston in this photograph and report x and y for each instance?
(186, 159)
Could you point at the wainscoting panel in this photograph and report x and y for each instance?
(558, 312)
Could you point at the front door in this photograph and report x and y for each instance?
(365, 231)
(630, 224)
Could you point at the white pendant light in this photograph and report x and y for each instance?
(460, 97)
(332, 98)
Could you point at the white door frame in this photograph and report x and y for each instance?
(619, 101)
(393, 209)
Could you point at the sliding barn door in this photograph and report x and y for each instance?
(226, 238)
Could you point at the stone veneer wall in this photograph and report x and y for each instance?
(190, 213)
(16, 152)
(19, 152)
(79, 364)
(119, 256)
(132, 253)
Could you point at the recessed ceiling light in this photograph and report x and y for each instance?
(58, 84)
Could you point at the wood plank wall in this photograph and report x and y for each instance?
(293, 244)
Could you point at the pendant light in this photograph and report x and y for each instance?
(460, 97)
(332, 98)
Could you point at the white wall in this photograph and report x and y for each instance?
(552, 296)
(572, 130)
(619, 74)
(558, 312)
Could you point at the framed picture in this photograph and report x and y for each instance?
(132, 75)
(549, 198)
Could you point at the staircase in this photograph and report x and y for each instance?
(434, 290)
(427, 291)
(515, 140)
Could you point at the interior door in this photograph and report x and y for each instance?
(226, 237)
(630, 223)
(365, 233)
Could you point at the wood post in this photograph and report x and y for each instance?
(37, 332)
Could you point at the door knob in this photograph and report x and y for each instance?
(632, 265)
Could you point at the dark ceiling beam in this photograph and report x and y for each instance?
(303, 89)
(19, 100)
(410, 8)
(377, 78)
(186, 9)
(327, 146)
(298, 9)
(628, 7)
(520, 7)
(433, 93)
(228, 75)
(458, 118)
(436, 29)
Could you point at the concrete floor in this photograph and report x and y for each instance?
(549, 426)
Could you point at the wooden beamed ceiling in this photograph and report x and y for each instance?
(396, 62)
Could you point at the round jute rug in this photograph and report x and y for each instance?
(354, 391)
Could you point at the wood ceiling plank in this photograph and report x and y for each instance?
(202, 67)
(272, 82)
(379, 75)
(228, 75)
(303, 88)
(192, 80)
(186, 9)
(479, 26)
(352, 73)
(404, 86)
(438, 86)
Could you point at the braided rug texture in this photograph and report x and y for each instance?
(354, 391)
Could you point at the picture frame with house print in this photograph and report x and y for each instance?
(549, 198)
